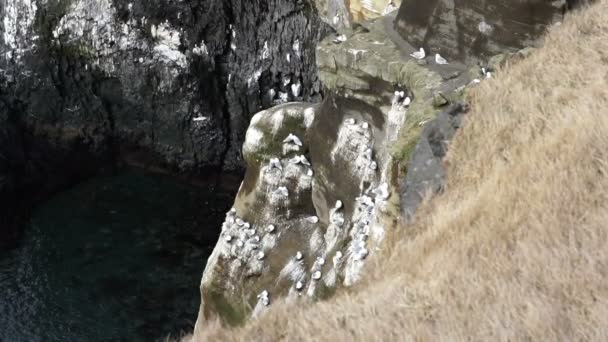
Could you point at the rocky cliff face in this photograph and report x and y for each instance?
(327, 183)
(172, 83)
(321, 190)
(477, 29)
(344, 13)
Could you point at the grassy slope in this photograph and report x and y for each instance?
(517, 246)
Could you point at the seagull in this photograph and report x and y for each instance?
(312, 219)
(373, 165)
(350, 121)
(240, 222)
(264, 294)
(316, 275)
(299, 256)
(286, 80)
(338, 205)
(320, 261)
(368, 153)
(299, 285)
(270, 228)
(382, 191)
(228, 238)
(488, 75)
(299, 160)
(239, 243)
(339, 255)
(295, 89)
(336, 19)
(365, 125)
(475, 81)
(256, 238)
(275, 163)
(292, 139)
(282, 191)
(407, 102)
(260, 255)
(310, 173)
(440, 60)
(340, 39)
(246, 225)
(419, 54)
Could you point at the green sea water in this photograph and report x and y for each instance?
(117, 258)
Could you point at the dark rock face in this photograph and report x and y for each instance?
(476, 29)
(425, 169)
(174, 83)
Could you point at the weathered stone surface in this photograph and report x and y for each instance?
(169, 83)
(425, 173)
(344, 13)
(478, 29)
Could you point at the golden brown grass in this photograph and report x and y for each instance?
(517, 246)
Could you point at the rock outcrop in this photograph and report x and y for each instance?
(169, 83)
(479, 29)
(321, 189)
(344, 13)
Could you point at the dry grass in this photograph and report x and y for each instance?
(517, 246)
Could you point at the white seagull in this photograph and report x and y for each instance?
(260, 255)
(292, 139)
(312, 219)
(338, 204)
(440, 60)
(295, 89)
(282, 191)
(200, 118)
(407, 102)
(275, 163)
(419, 54)
(316, 275)
(350, 121)
(299, 160)
(299, 256)
(270, 228)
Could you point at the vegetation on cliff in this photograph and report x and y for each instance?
(515, 248)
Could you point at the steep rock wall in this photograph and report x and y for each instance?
(477, 29)
(321, 190)
(169, 83)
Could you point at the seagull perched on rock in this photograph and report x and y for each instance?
(292, 139)
(282, 191)
(299, 256)
(299, 285)
(340, 39)
(382, 191)
(350, 121)
(270, 228)
(316, 275)
(312, 219)
(310, 173)
(295, 89)
(420, 54)
(440, 60)
(320, 261)
(373, 165)
(299, 160)
(260, 255)
(338, 205)
(275, 163)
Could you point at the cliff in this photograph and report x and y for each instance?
(513, 248)
(88, 84)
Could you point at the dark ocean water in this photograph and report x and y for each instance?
(114, 259)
